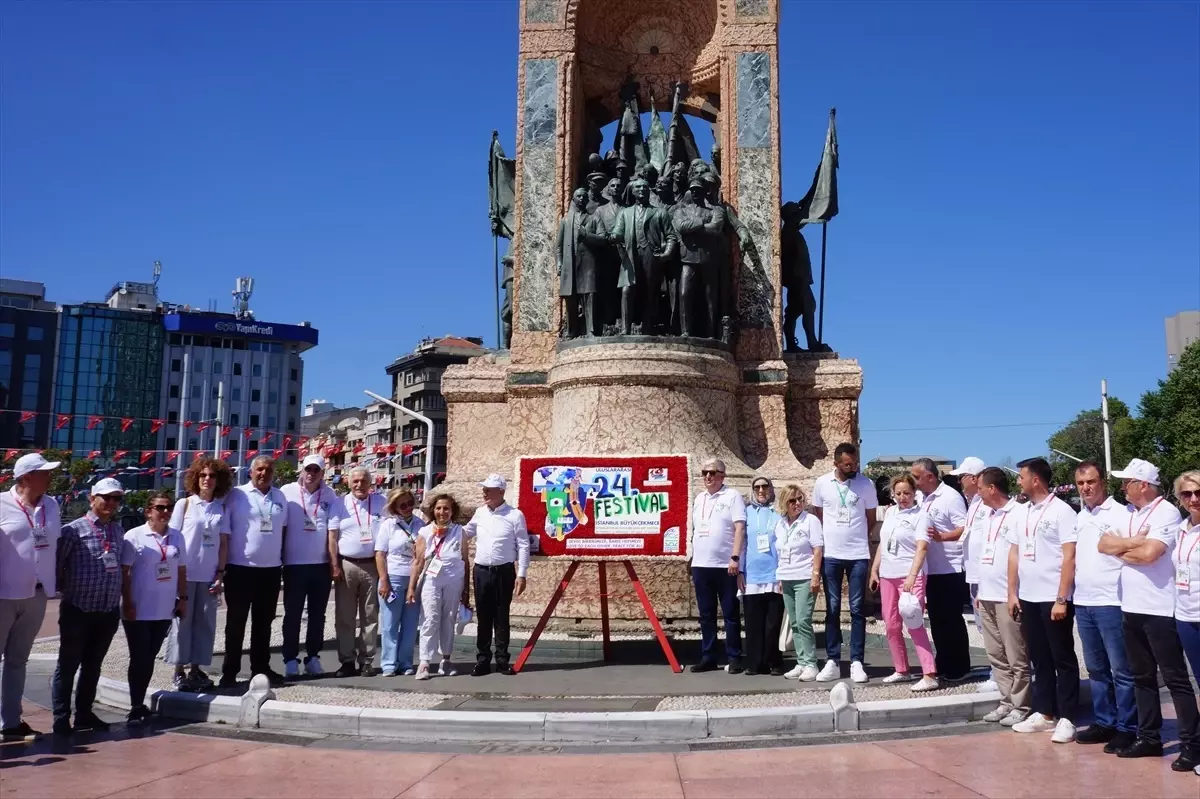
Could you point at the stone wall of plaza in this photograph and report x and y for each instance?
(760, 410)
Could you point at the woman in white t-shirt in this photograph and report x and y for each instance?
(395, 546)
(799, 542)
(899, 568)
(438, 576)
(152, 573)
(1187, 568)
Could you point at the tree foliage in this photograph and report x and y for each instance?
(285, 472)
(1083, 437)
(1166, 430)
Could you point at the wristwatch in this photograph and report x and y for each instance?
(735, 558)
(1058, 600)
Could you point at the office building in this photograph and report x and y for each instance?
(319, 415)
(28, 334)
(1183, 329)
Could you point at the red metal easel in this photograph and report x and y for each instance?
(637, 586)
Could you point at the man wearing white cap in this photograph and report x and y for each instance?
(89, 577)
(973, 535)
(1146, 548)
(501, 538)
(29, 531)
(314, 518)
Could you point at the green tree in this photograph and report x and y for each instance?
(1083, 437)
(285, 472)
(1166, 430)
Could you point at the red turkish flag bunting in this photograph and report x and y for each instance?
(27, 415)
(119, 454)
(12, 453)
(302, 442)
(358, 448)
(391, 449)
(93, 454)
(248, 432)
(188, 423)
(146, 455)
(62, 421)
(126, 423)
(156, 425)
(4, 478)
(225, 430)
(94, 422)
(225, 453)
(196, 456)
(276, 453)
(266, 439)
(251, 455)
(173, 456)
(407, 449)
(287, 441)
(202, 426)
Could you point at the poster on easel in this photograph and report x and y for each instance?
(606, 507)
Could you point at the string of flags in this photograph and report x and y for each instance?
(125, 423)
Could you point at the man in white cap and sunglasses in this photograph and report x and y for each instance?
(972, 536)
(501, 562)
(29, 531)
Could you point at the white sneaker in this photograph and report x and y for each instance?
(988, 687)
(999, 714)
(291, 669)
(830, 672)
(895, 677)
(794, 673)
(1013, 718)
(809, 674)
(926, 684)
(1035, 723)
(312, 666)
(446, 669)
(857, 672)
(423, 672)
(1064, 732)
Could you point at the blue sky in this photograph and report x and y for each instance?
(1020, 183)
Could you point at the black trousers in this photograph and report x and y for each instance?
(764, 619)
(82, 644)
(493, 596)
(250, 593)
(1052, 658)
(1152, 643)
(945, 597)
(144, 638)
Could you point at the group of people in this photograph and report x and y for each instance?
(1027, 562)
(163, 581)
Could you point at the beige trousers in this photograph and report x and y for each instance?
(1006, 652)
(356, 612)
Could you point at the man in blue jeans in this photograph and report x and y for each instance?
(845, 502)
(1098, 614)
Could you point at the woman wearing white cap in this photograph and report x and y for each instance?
(439, 578)
(1187, 568)
(899, 568)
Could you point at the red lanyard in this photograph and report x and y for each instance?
(974, 513)
(1149, 513)
(704, 506)
(1049, 502)
(40, 506)
(103, 533)
(1191, 549)
(316, 495)
(356, 518)
(438, 549)
(994, 532)
(161, 546)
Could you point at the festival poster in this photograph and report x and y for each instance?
(606, 507)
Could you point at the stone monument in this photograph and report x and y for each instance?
(576, 386)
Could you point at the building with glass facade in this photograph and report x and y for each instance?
(28, 326)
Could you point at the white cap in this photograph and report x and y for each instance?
(971, 465)
(313, 460)
(1139, 469)
(495, 481)
(33, 462)
(910, 611)
(109, 485)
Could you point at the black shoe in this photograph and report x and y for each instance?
(138, 716)
(1119, 742)
(369, 671)
(507, 671)
(228, 681)
(1142, 747)
(21, 732)
(1187, 761)
(62, 727)
(1095, 734)
(777, 671)
(347, 670)
(200, 680)
(273, 677)
(481, 668)
(90, 721)
(735, 666)
(703, 666)
(751, 672)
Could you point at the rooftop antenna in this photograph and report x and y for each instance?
(157, 274)
(241, 298)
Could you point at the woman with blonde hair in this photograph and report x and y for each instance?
(799, 542)
(395, 547)
(439, 577)
(1187, 568)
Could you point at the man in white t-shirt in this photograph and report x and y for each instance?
(1146, 548)
(945, 586)
(1041, 579)
(718, 535)
(356, 577)
(1098, 614)
(844, 501)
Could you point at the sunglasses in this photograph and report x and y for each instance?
(161, 508)
(207, 476)
(404, 505)
(762, 487)
(313, 469)
(794, 501)
(710, 473)
(1188, 494)
(111, 497)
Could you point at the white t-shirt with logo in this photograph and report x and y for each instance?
(973, 532)
(256, 522)
(154, 571)
(947, 511)
(1186, 560)
(27, 552)
(398, 539)
(444, 555)
(713, 517)
(795, 542)
(844, 507)
(1149, 589)
(993, 552)
(360, 524)
(1038, 532)
(1098, 576)
(202, 528)
(308, 524)
(902, 530)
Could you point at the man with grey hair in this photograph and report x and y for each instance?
(718, 535)
(254, 571)
(356, 577)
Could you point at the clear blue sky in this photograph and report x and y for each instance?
(1020, 183)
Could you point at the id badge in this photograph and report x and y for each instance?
(207, 540)
(265, 526)
(162, 571)
(309, 525)
(702, 529)
(893, 545)
(1029, 549)
(785, 556)
(41, 539)
(989, 553)
(763, 543)
(843, 516)
(109, 559)
(367, 536)
(1183, 576)
(435, 568)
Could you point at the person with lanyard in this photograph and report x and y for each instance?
(501, 564)
(1041, 576)
(899, 568)
(257, 518)
(30, 526)
(1098, 613)
(395, 547)
(1146, 548)
(355, 576)
(946, 585)
(1002, 636)
(314, 513)
(89, 577)
(439, 577)
(1187, 568)
(203, 520)
(800, 544)
(718, 537)
(762, 593)
(968, 474)
(153, 579)
(845, 503)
